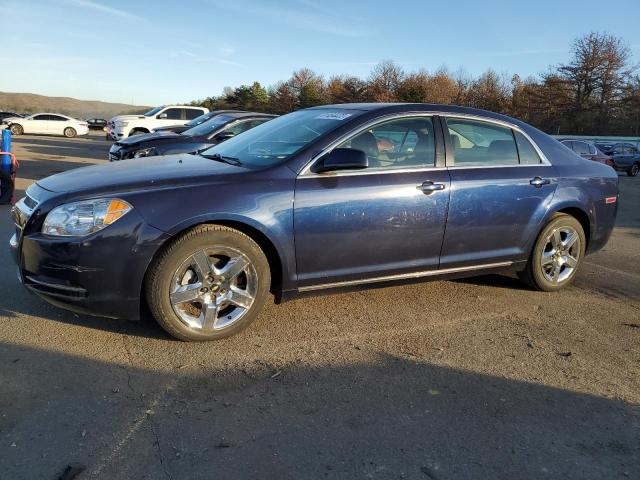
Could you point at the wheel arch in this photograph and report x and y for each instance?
(266, 244)
(139, 129)
(577, 212)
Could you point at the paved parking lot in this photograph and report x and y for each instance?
(479, 378)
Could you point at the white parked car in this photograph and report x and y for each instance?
(47, 124)
(123, 126)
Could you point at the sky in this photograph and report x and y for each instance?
(151, 52)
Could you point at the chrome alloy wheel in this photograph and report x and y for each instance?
(213, 288)
(561, 254)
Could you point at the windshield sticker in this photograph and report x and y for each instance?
(333, 116)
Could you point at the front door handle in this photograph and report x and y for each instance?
(429, 187)
(539, 181)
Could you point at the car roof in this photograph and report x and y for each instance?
(248, 114)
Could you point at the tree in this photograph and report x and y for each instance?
(489, 92)
(384, 82)
(596, 74)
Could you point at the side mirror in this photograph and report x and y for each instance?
(222, 136)
(162, 115)
(342, 159)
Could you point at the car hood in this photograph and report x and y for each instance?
(12, 119)
(142, 173)
(124, 118)
(145, 137)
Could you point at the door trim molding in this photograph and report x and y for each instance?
(402, 276)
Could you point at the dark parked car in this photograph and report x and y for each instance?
(193, 123)
(309, 201)
(217, 129)
(4, 115)
(588, 151)
(625, 156)
(96, 123)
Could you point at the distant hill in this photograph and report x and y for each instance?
(32, 103)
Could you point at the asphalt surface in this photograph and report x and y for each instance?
(479, 378)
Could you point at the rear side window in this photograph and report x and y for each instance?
(192, 113)
(41, 117)
(481, 144)
(528, 154)
(581, 148)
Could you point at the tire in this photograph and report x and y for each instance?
(560, 268)
(633, 171)
(16, 129)
(193, 291)
(70, 132)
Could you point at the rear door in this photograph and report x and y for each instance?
(384, 221)
(56, 124)
(500, 184)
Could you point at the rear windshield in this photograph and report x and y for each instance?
(279, 139)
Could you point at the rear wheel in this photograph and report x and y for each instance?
(557, 254)
(16, 129)
(633, 171)
(70, 132)
(210, 283)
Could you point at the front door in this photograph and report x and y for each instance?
(384, 221)
(500, 186)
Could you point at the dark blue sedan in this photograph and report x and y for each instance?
(321, 198)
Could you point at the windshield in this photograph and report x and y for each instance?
(200, 119)
(153, 111)
(207, 127)
(277, 140)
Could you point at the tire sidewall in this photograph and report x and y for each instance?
(633, 171)
(182, 248)
(536, 268)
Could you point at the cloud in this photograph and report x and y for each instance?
(309, 17)
(227, 51)
(206, 59)
(90, 4)
(518, 53)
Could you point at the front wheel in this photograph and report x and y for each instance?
(633, 171)
(209, 283)
(16, 129)
(557, 254)
(70, 132)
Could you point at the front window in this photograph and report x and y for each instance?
(277, 140)
(153, 111)
(399, 143)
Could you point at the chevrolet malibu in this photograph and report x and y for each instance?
(322, 198)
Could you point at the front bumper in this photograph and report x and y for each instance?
(101, 274)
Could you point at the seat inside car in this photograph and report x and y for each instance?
(367, 142)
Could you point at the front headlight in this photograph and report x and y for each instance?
(144, 152)
(82, 218)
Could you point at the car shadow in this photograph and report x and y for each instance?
(379, 417)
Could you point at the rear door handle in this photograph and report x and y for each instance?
(429, 187)
(539, 181)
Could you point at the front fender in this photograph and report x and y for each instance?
(264, 205)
